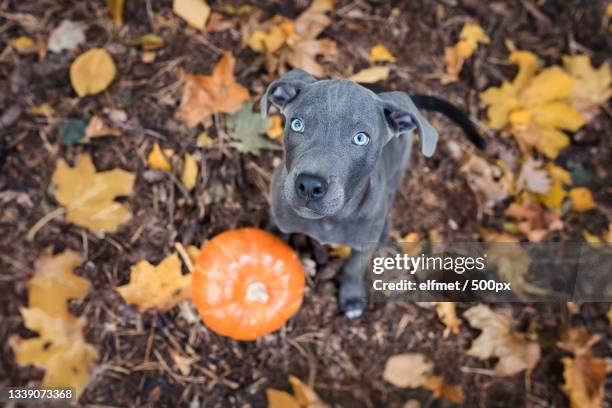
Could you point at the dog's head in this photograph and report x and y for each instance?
(335, 132)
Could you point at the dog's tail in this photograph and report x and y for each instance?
(433, 103)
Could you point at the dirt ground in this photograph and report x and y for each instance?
(343, 358)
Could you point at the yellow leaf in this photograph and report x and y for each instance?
(592, 88)
(609, 10)
(501, 101)
(194, 12)
(304, 395)
(409, 370)
(559, 173)
(280, 399)
(148, 42)
(24, 45)
(471, 34)
(549, 141)
(447, 313)
(440, 389)
(582, 199)
(204, 140)
(189, 175)
(558, 115)
(115, 8)
(97, 128)
(371, 75)
(514, 352)
(411, 244)
(204, 95)
(339, 251)
(157, 159)
(60, 348)
(160, 287)
(584, 380)
(610, 315)
(275, 131)
(555, 196)
(591, 238)
(273, 40)
(549, 85)
(321, 6)
(380, 53)
(474, 34)
(44, 109)
(92, 72)
(89, 197)
(528, 66)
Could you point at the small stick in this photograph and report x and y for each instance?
(184, 256)
(58, 212)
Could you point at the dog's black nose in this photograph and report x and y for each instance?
(309, 187)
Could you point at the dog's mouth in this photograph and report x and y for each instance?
(306, 212)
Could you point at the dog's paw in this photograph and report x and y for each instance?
(352, 299)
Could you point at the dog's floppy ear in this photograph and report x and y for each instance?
(284, 90)
(403, 116)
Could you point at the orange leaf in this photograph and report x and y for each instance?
(204, 95)
(582, 199)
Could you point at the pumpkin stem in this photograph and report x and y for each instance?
(257, 292)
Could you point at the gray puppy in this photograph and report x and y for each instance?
(346, 151)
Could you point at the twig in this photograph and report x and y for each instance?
(58, 212)
(184, 256)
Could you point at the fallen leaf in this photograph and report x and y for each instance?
(304, 395)
(204, 140)
(182, 362)
(484, 178)
(148, 42)
(158, 287)
(303, 55)
(194, 12)
(582, 199)
(471, 35)
(514, 352)
(339, 251)
(591, 238)
(44, 109)
(67, 36)
(610, 315)
(89, 197)
(371, 75)
(321, 6)
(280, 399)
(276, 131)
(447, 313)
(440, 389)
(411, 244)
(578, 341)
(204, 95)
(157, 159)
(24, 45)
(409, 370)
(189, 175)
(246, 128)
(72, 130)
(512, 263)
(92, 72)
(380, 53)
(97, 128)
(273, 36)
(533, 177)
(535, 221)
(592, 87)
(584, 381)
(115, 8)
(60, 347)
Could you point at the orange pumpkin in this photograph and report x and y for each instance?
(247, 283)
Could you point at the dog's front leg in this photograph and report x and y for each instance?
(353, 297)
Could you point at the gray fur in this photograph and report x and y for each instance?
(361, 180)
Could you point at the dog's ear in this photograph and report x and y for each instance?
(403, 117)
(282, 91)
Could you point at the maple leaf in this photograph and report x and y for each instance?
(247, 127)
(514, 351)
(592, 88)
(485, 178)
(60, 348)
(471, 35)
(204, 95)
(160, 287)
(89, 196)
(582, 199)
(408, 370)
(535, 221)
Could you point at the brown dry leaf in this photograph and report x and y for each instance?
(485, 178)
(92, 72)
(447, 313)
(217, 22)
(584, 380)
(160, 287)
(97, 128)
(440, 389)
(60, 348)
(204, 95)
(409, 370)
(194, 12)
(380, 53)
(514, 351)
(534, 221)
(513, 263)
(89, 197)
(534, 177)
(582, 199)
(578, 341)
(471, 35)
(371, 75)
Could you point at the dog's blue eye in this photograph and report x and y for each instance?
(297, 125)
(361, 139)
